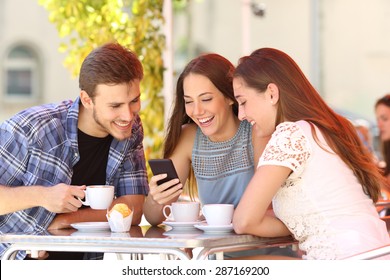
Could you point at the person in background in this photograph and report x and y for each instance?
(322, 181)
(49, 153)
(212, 150)
(382, 112)
(363, 130)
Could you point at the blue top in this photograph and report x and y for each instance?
(223, 169)
(38, 146)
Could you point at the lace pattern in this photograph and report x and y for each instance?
(308, 226)
(289, 147)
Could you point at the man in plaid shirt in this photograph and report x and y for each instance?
(49, 153)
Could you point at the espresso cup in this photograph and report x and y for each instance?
(98, 196)
(218, 214)
(183, 211)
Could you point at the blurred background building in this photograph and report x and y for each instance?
(342, 46)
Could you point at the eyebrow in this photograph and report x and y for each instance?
(119, 103)
(204, 93)
(137, 97)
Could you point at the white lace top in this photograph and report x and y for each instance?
(322, 202)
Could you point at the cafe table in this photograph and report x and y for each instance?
(137, 242)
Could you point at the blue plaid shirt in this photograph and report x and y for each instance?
(38, 146)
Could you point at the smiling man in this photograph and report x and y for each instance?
(49, 153)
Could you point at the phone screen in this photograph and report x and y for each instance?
(163, 166)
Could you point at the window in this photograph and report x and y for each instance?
(21, 75)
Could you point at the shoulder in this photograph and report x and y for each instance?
(293, 128)
(186, 140)
(288, 147)
(38, 117)
(292, 136)
(188, 131)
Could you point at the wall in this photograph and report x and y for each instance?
(24, 21)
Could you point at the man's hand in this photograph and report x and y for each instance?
(62, 198)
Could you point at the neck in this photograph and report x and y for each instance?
(87, 124)
(229, 130)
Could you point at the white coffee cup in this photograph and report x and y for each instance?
(186, 211)
(218, 214)
(98, 196)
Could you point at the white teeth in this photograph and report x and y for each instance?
(252, 123)
(205, 120)
(122, 124)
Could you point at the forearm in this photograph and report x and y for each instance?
(153, 211)
(269, 226)
(86, 214)
(14, 199)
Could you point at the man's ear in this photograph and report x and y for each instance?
(273, 93)
(86, 99)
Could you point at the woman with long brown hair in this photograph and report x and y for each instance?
(320, 178)
(211, 149)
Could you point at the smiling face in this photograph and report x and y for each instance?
(382, 113)
(259, 109)
(112, 110)
(208, 108)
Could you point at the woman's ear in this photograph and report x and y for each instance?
(86, 99)
(273, 93)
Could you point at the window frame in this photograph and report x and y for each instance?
(30, 63)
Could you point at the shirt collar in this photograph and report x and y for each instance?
(72, 122)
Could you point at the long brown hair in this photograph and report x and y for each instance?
(219, 71)
(298, 100)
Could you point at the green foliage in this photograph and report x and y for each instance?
(87, 24)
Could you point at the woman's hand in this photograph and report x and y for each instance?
(165, 193)
(159, 196)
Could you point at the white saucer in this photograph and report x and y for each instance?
(91, 226)
(214, 229)
(181, 225)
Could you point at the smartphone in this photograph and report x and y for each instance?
(163, 166)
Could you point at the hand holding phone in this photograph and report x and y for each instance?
(163, 166)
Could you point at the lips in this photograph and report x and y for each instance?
(205, 121)
(123, 125)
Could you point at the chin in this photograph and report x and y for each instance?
(208, 131)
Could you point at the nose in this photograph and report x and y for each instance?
(198, 109)
(127, 114)
(241, 114)
(379, 124)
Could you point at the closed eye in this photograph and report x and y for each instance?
(135, 100)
